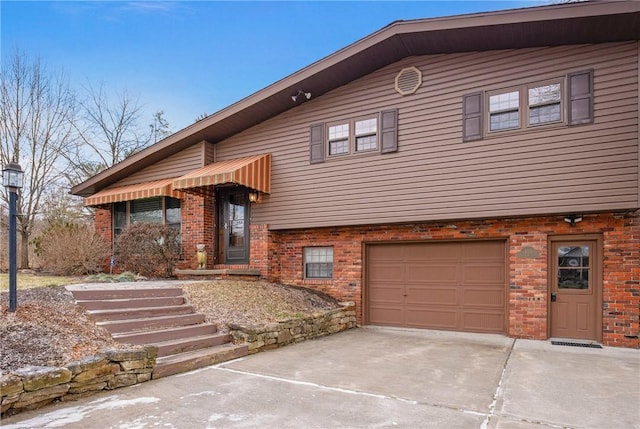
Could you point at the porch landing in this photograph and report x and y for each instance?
(236, 273)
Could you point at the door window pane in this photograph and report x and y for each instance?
(573, 267)
(236, 221)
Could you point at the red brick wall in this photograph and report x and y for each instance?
(528, 276)
(197, 228)
(104, 227)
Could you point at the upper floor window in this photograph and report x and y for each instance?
(339, 139)
(504, 111)
(567, 100)
(377, 132)
(366, 134)
(544, 103)
(354, 136)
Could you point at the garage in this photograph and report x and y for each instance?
(457, 286)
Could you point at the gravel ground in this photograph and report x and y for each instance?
(48, 328)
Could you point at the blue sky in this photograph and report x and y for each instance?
(189, 58)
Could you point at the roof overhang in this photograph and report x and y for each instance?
(563, 24)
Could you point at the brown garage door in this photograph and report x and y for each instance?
(455, 286)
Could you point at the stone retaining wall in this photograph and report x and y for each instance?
(290, 331)
(35, 386)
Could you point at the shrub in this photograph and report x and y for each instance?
(149, 249)
(71, 249)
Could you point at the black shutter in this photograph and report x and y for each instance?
(472, 116)
(580, 90)
(389, 131)
(316, 147)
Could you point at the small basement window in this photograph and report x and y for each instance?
(318, 262)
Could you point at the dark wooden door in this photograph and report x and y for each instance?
(234, 227)
(574, 289)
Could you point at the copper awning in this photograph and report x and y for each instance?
(253, 172)
(157, 188)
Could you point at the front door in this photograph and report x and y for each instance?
(575, 289)
(234, 227)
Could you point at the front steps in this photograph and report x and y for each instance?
(160, 317)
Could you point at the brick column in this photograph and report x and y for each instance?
(197, 228)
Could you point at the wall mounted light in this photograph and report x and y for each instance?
(255, 197)
(572, 219)
(307, 95)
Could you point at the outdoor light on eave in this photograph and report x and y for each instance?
(307, 95)
(572, 219)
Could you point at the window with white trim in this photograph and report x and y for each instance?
(353, 136)
(366, 134)
(318, 262)
(339, 139)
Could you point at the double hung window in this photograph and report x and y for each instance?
(318, 262)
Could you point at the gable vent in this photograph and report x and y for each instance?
(408, 81)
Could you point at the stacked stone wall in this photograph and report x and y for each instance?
(35, 386)
(295, 330)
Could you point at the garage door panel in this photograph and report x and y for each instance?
(483, 298)
(431, 317)
(386, 315)
(492, 273)
(483, 322)
(452, 286)
(430, 272)
(387, 295)
(387, 273)
(483, 250)
(432, 295)
(420, 252)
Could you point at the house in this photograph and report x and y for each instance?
(442, 173)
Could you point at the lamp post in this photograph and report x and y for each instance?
(12, 176)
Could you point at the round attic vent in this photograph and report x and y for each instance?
(408, 81)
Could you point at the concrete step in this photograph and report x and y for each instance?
(108, 304)
(147, 323)
(189, 361)
(158, 335)
(187, 344)
(124, 293)
(139, 313)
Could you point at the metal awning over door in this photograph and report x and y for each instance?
(254, 172)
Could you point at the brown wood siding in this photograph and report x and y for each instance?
(173, 166)
(435, 175)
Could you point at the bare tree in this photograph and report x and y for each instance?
(36, 117)
(109, 130)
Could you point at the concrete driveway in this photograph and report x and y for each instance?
(376, 378)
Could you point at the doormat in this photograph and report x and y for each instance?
(567, 343)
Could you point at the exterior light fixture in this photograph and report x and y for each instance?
(12, 176)
(307, 95)
(572, 219)
(254, 197)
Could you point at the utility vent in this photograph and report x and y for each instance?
(408, 81)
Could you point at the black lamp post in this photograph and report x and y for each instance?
(12, 176)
